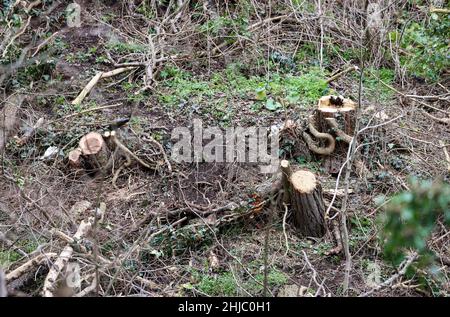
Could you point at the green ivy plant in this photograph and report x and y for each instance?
(411, 217)
(426, 46)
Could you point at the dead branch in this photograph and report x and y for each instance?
(3, 291)
(447, 156)
(121, 146)
(29, 265)
(79, 99)
(30, 132)
(403, 267)
(340, 74)
(50, 283)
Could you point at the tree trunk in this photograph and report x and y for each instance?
(305, 197)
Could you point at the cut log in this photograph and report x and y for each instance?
(307, 204)
(94, 151)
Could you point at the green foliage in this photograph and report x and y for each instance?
(411, 217)
(126, 47)
(8, 257)
(224, 284)
(181, 87)
(226, 25)
(175, 242)
(373, 86)
(426, 46)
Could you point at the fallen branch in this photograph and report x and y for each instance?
(403, 267)
(79, 99)
(50, 283)
(30, 132)
(439, 10)
(340, 74)
(88, 289)
(28, 266)
(442, 120)
(87, 89)
(3, 291)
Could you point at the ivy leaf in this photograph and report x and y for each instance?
(261, 93)
(272, 105)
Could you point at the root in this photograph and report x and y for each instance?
(341, 134)
(325, 136)
(127, 151)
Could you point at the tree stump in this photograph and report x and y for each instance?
(336, 114)
(305, 197)
(334, 120)
(94, 151)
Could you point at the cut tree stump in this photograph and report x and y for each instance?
(94, 150)
(305, 197)
(335, 114)
(333, 121)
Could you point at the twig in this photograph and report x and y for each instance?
(447, 156)
(44, 42)
(89, 110)
(284, 229)
(161, 148)
(314, 277)
(5, 51)
(345, 71)
(403, 267)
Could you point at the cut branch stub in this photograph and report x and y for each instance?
(285, 176)
(307, 204)
(75, 158)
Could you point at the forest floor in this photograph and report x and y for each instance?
(160, 230)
